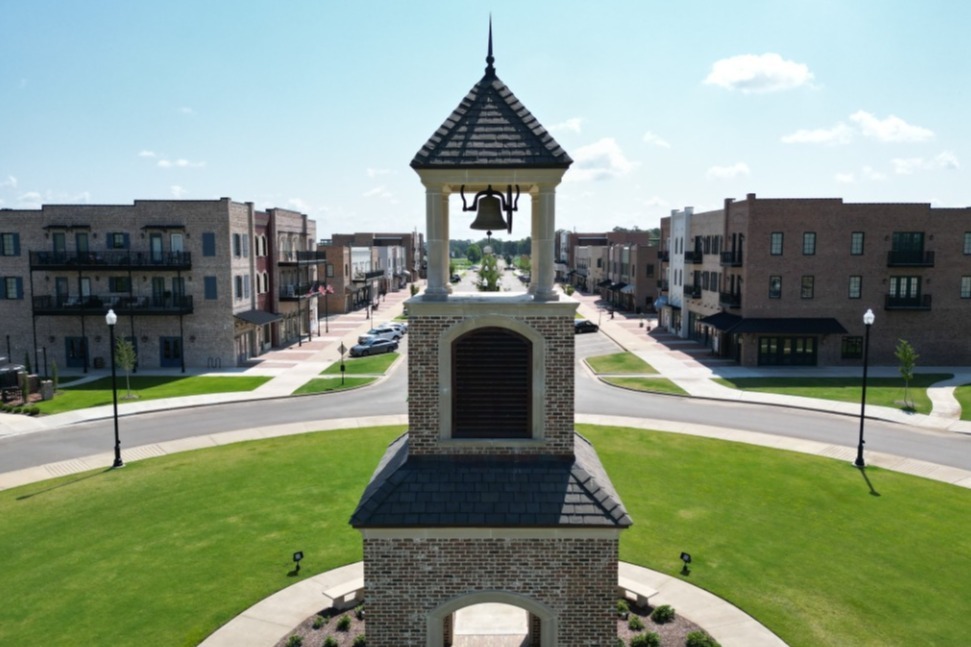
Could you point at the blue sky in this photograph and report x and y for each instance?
(320, 106)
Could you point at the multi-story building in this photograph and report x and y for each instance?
(194, 283)
(589, 266)
(787, 281)
(370, 265)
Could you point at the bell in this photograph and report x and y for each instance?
(489, 216)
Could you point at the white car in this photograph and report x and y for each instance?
(381, 332)
(400, 326)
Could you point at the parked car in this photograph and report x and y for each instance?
(382, 332)
(456, 278)
(400, 326)
(584, 325)
(373, 346)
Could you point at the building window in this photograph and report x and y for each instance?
(246, 286)
(9, 244)
(208, 244)
(806, 291)
(775, 287)
(11, 287)
(856, 243)
(967, 242)
(210, 289)
(966, 287)
(856, 284)
(775, 243)
(119, 284)
(117, 240)
(851, 348)
(238, 285)
(237, 245)
(245, 246)
(809, 243)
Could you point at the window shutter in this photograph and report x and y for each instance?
(19, 287)
(246, 287)
(210, 287)
(16, 244)
(246, 246)
(208, 244)
(3, 287)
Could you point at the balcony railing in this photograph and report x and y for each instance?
(692, 291)
(367, 276)
(922, 302)
(122, 305)
(119, 259)
(693, 257)
(730, 300)
(663, 285)
(301, 258)
(663, 255)
(907, 258)
(297, 291)
(731, 259)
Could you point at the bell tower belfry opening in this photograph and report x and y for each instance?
(491, 496)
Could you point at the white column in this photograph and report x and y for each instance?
(445, 229)
(543, 232)
(436, 226)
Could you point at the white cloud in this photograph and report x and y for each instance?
(600, 160)
(573, 124)
(10, 182)
(728, 172)
(651, 138)
(299, 204)
(766, 73)
(179, 163)
(838, 134)
(891, 129)
(375, 172)
(30, 200)
(177, 191)
(655, 201)
(907, 166)
(187, 111)
(872, 174)
(378, 192)
(845, 178)
(147, 154)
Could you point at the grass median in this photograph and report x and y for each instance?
(146, 387)
(624, 370)
(880, 391)
(166, 550)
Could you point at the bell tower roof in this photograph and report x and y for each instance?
(491, 128)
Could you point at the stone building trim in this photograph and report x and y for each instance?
(436, 619)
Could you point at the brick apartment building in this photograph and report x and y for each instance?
(787, 281)
(619, 265)
(200, 283)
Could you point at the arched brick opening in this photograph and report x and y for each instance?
(438, 621)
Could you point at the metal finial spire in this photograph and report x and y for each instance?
(490, 59)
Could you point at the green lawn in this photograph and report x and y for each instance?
(650, 384)
(371, 365)
(620, 363)
(146, 387)
(326, 384)
(963, 395)
(165, 550)
(880, 391)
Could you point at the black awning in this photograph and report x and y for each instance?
(723, 321)
(258, 317)
(791, 326)
(618, 286)
(604, 283)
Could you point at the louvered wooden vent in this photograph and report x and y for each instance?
(492, 385)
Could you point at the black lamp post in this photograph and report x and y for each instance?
(111, 319)
(868, 319)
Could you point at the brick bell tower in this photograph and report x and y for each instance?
(491, 496)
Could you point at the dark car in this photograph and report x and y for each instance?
(584, 325)
(373, 346)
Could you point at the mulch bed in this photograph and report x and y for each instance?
(672, 633)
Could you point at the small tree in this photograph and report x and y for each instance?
(907, 357)
(474, 253)
(54, 374)
(126, 358)
(27, 362)
(489, 274)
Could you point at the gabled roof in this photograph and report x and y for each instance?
(491, 128)
(484, 491)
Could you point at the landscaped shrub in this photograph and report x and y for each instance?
(623, 608)
(319, 621)
(635, 623)
(662, 614)
(360, 641)
(331, 642)
(359, 611)
(33, 411)
(295, 641)
(344, 623)
(700, 639)
(650, 639)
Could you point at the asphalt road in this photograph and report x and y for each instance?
(389, 397)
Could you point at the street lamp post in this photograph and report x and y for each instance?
(868, 319)
(111, 319)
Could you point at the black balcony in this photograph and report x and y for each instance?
(731, 259)
(693, 258)
(908, 258)
(298, 291)
(663, 285)
(729, 300)
(663, 255)
(122, 305)
(113, 259)
(302, 258)
(692, 291)
(921, 302)
(367, 276)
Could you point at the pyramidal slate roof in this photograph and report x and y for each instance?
(537, 492)
(491, 128)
